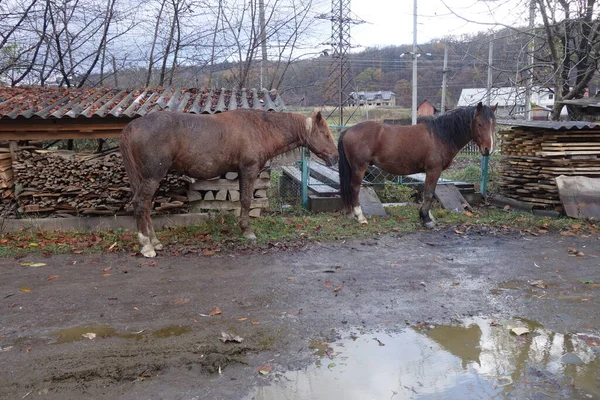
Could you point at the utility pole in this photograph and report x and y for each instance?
(444, 73)
(489, 76)
(414, 71)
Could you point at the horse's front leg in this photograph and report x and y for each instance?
(431, 178)
(247, 178)
(142, 202)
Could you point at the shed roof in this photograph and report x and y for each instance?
(553, 125)
(57, 103)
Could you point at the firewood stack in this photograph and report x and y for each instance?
(63, 184)
(6, 171)
(534, 157)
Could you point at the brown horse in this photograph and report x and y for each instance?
(206, 146)
(427, 147)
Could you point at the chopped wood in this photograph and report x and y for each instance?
(234, 195)
(231, 175)
(221, 195)
(260, 193)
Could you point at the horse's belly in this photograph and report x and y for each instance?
(205, 170)
(399, 166)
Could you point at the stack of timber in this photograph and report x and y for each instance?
(64, 183)
(222, 194)
(534, 157)
(6, 171)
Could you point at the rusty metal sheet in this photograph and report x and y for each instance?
(580, 196)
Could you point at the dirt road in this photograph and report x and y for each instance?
(123, 327)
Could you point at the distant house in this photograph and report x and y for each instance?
(426, 109)
(375, 99)
(510, 101)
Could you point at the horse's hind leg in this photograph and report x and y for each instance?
(357, 177)
(142, 202)
(431, 178)
(247, 177)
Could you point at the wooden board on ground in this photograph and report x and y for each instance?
(369, 201)
(314, 185)
(451, 199)
(580, 196)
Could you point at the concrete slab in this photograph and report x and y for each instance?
(369, 201)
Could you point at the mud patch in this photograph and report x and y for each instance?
(479, 358)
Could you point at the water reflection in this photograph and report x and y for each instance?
(476, 360)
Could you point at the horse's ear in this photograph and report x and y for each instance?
(494, 107)
(479, 106)
(318, 117)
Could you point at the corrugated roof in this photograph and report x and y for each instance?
(52, 102)
(586, 102)
(554, 125)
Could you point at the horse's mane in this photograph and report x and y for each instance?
(454, 128)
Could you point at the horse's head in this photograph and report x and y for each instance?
(482, 128)
(319, 139)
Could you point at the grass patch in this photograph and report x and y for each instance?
(222, 233)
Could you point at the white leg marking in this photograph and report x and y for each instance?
(359, 215)
(147, 248)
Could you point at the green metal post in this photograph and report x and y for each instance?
(304, 167)
(484, 175)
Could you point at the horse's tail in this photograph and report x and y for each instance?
(125, 145)
(345, 171)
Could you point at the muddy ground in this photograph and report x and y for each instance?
(158, 323)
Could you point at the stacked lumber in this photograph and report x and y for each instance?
(222, 194)
(63, 183)
(534, 157)
(6, 171)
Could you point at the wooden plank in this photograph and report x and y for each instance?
(369, 201)
(313, 184)
(324, 173)
(225, 205)
(225, 184)
(450, 198)
(580, 196)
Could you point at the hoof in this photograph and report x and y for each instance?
(148, 251)
(430, 225)
(364, 222)
(158, 246)
(250, 236)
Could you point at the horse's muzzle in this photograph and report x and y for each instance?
(332, 160)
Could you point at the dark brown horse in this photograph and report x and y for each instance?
(427, 147)
(206, 146)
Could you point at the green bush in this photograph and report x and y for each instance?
(393, 193)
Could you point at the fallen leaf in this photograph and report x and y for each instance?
(539, 283)
(207, 252)
(135, 308)
(574, 251)
(468, 213)
(455, 283)
(255, 323)
(393, 265)
(28, 350)
(33, 245)
(587, 281)
(328, 283)
(331, 365)
(106, 269)
(568, 233)
(519, 331)
(290, 278)
(25, 289)
(338, 288)
(506, 207)
(458, 232)
(52, 277)
(77, 252)
(542, 230)
(265, 369)
(89, 335)
(215, 311)
(112, 246)
(576, 226)
(32, 264)
(228, 337)
(106, 274)
(242, 319)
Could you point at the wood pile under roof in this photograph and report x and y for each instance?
(535, 153)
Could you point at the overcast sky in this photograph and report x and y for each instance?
(390, 22)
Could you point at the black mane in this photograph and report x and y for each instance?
(454, 128)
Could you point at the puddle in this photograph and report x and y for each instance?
(171, 331)
(104, 331)
(471, 361)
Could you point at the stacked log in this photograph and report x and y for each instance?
(6, 171)
(63, 183)
(222, 194)
(534, 157)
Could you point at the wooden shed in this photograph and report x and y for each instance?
(535, 153)
(49, 183)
